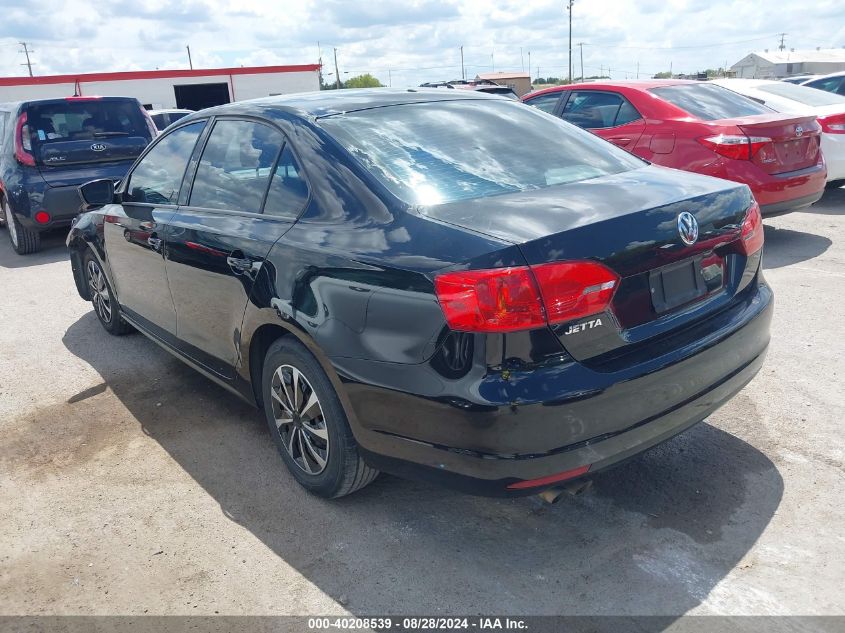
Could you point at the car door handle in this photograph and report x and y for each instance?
(620, 141)
(242, 265)
(155, 243)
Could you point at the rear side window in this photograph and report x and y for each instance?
(830, 84)
(235, 166)
(708, 102)
(595, 110)
(159, 120)
(175, 116)
(546, 102)
(288, 190)
(85, 120)
(158, 177)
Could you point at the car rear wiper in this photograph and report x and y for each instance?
(102, 134)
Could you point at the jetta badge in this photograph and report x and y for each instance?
(799, 131)
(98, 147)
(688, 228)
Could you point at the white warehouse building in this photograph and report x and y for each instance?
(780, 64)
(157, 89)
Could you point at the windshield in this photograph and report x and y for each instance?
(802, 94)
(437, 152)
(709, 102)
(85, 120)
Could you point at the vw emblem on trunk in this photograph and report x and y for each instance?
(98, 147)
(799, 131)
(688, 228)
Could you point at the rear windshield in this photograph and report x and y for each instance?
(431, 153)
(85, 121)
(709, 102)
(802, 94)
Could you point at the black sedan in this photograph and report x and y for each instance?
(438, 284)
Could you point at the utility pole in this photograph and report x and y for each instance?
(529, 64)
(493, 60)
(463, 70)
(521, 59)
(601, 70)
(336, 71)
(26, 52)
(670, 70)
(389, 79)
(782, 45)
(190, 63)
(581, 46)
(569, 7)
(638, 70)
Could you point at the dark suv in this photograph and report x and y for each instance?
(49, 147)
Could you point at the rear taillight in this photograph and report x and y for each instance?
(23, 146)
(751, 239)
(833, 124)
(736, 146)
(523, 297)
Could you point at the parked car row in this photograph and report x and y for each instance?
(449, 285)
(708, 129)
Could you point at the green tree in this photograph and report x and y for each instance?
(663, 75)
(362, 81)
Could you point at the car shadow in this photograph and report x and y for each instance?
(832, 203)
(52, 250)
(653, 536)
(784, 247)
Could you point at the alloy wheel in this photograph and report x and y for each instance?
(299, 419)
(99, 291)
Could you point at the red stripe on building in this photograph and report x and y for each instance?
(154, 74)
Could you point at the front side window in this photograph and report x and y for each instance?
(802, 94)
(592, 110)
(235, 166)
(708, 102)
(829, 84)
(288, 190)
(546, 102)
(158, 177)
(436, 152)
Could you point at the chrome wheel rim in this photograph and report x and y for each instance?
(299, 419)
(10, 222)
(99, 292)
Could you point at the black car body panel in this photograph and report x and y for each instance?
(352, 278)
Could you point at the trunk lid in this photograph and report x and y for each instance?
(67, 134)
(629, 223)
(794, 140)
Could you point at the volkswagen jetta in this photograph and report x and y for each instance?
(439, 284)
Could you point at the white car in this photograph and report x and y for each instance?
(163, 118)
(829, 108)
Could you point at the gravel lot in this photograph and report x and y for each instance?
(130, 484)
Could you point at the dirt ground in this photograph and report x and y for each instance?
(129, 484)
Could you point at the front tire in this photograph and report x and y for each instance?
(24, 241)
(102, 297)
(308, 423)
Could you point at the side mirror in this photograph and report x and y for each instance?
(96, 193)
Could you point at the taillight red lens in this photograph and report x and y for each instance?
(736, 146)
(572, 290)
(751, 239)
(499, 300)
(42, 217)
(833, 124)
(522, 298)
(23, 146)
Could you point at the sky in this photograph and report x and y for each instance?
(404, 43)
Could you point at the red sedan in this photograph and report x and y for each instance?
(703, 128)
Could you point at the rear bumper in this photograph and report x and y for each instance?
(609, 416)
(779, 208)
(62, 204)
(833, 147)
(782, 193)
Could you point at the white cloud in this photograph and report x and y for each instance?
(418, 40)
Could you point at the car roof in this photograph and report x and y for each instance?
(329, 102)
(636, 84)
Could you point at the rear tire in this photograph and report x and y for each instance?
(24, 241)
(308, 423)
(102, 297)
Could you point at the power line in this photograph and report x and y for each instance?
(782, 45)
